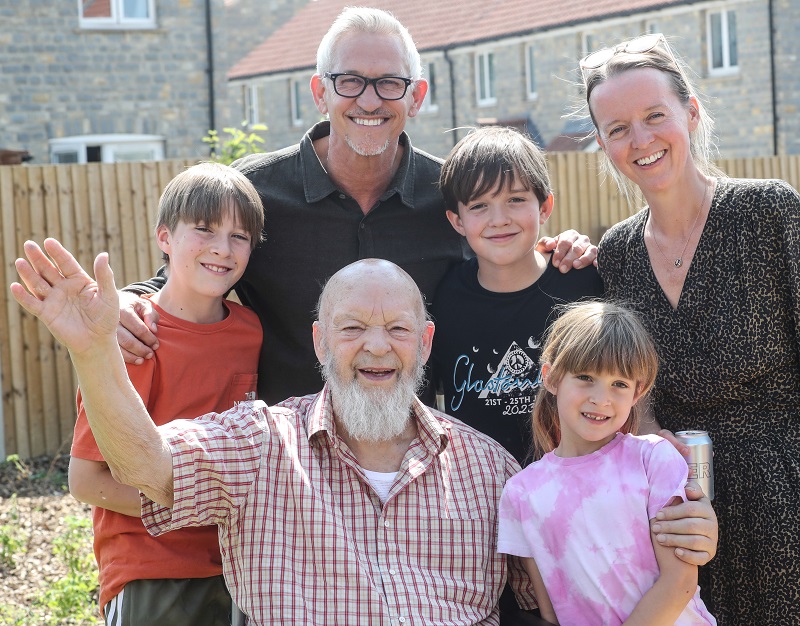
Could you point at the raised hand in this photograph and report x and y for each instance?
(79, 311)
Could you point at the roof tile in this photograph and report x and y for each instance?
(433, 24)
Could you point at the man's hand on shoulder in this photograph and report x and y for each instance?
(138, 323)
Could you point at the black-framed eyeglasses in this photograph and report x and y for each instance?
(637, 45)
(353, 85)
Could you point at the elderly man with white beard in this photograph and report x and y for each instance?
(357, 505)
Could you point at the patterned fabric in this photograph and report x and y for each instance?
(730, 365)
(305, 539)
(568, 515)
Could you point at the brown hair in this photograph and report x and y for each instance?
(490, 158)
(205, 193)
(593, 337)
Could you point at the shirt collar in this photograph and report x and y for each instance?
(432, 433)
(318, 185)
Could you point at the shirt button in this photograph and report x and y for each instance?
(392, 572)
(402, 620)
(386, 523)
(342, 196)
(362, 226)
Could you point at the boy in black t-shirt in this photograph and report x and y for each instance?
(491, 311)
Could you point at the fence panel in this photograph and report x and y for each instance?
(97, 207)
(90, 208)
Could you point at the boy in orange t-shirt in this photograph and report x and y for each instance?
(210, 218)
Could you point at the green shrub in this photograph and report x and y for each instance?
(73, 596)
(238, 143)
(12, 537)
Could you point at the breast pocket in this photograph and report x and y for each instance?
(242, 387)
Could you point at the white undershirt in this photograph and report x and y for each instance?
(381, 482)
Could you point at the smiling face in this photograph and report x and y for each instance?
(367, 125)
(592, 408)
(205, 260)
(502, 225)
(644, 128)
(373, 341)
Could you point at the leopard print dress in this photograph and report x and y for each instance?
(730, 364)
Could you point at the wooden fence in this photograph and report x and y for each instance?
(97, 207)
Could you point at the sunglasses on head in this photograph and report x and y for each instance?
(637, 45)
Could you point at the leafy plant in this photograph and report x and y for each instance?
(12, 537)
(22, 469)
(238, 143)
(73, 596)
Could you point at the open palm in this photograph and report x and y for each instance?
(76, 309)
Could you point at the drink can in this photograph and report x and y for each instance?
(700, 460)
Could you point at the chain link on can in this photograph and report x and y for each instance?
(701, 458)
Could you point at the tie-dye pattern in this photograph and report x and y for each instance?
(585, 521)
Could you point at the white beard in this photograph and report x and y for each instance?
(372, 414)
(366, 151)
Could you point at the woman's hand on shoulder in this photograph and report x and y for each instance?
(690, 527)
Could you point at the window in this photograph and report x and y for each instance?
(106, 148)
(484, 78)
(430, 103)
(530, 71)
(251, 104)
(117, 13)
(723, 53)
(296, 92)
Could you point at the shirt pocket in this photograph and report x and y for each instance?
(457, 548)
(242, 387)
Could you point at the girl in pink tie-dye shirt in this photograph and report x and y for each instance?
(580, 516)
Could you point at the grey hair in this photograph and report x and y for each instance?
(371, 21)
(662, 57)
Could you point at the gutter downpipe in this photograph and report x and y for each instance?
(452, 96)
(775, 119)
(212, 123)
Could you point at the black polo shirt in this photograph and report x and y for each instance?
(312, 230)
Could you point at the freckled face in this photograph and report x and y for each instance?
(205, 259)
(644, 128)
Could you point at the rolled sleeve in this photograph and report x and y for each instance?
(215, 461)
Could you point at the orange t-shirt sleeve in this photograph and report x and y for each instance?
(84, 445)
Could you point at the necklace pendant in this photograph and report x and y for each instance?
(678, 262)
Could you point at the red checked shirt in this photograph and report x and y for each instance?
(306, 540)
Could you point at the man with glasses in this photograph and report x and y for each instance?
(353, 188)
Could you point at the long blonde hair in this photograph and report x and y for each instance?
(593, 337)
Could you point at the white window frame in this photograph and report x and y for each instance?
(727, 66)
(429, 104)
(113, 148)
(530, 71)
(251, 98)
(296, 87)
(484, 67)
(117, 20)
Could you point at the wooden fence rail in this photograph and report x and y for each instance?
(97, 207)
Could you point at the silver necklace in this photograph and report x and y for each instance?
(679, 261)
